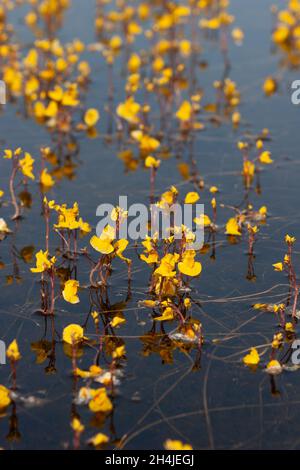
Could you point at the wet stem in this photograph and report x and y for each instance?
(12, 189)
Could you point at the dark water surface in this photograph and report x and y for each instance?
(222, 404)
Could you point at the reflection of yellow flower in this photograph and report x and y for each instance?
(13, 352)
(73, 334)
(167, 315)
(171, 444)
(4, 397)
(99, 439)
(77, 426)
(70, 291)
(100, 403)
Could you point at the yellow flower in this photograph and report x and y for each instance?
(77, 426)
(167, 265)
(4, 227)
(171, 444)
(70, 291)
(265, 157)
(188, 265)
(13, 352)
(203, 220)
(269, 86)
(252, 359)
(4, 397)
(191, 198)
(278, 266)
(289, 327)
(147, 143)
(232, 227)
(100, 403)
(168, 315)
(42, 262)
(129, 110)
(26, 165)
(98, 440)
(290, 240)
(91, 117)
(213, 189)
(237, 35)
(103, 244)
(185, 111)
(152, 162)
(119, 352)
(46, 179)
(274, 367)
(73, 334)
(1, 193)
(134, 63)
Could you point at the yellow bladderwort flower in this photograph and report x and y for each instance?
(91, 117)
(171, 444)
(167, 265)
(265, 158)
(289, 327)
(46, 179)
(233, 228)
(70, 291)
(274, 367)
(13, 352)
(147, 143)
(252, 358)
(43, 263)
(278, 266)
(191, 198)
(98, 440)
(129, 110)
(185, 112)
(26, 165)
(290, 240)
(188, 265)
(103, 244)
(100, 403)
(152, 162)
(73, 334)
(119, 247)
(203, 220)
(269, 86)
(134, 63)
(5, 399)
